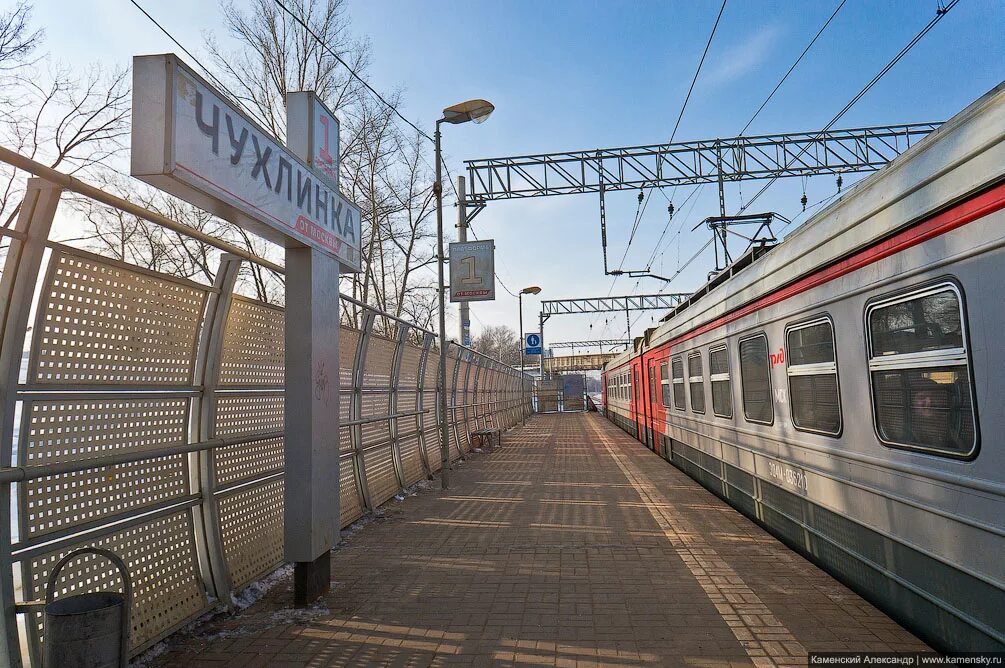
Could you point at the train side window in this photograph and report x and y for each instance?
(631, 385)
(696, 382)
(652, 383)
(665, 384)
(813, 378)
(919, 368)
(755, 380)
(677, 370)
(722, 393)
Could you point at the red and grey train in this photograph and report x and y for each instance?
(846, 388)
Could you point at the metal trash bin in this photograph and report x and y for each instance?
(87, 630)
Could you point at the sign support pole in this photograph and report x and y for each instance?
(312, 419)
(462, 236)
(442, 395)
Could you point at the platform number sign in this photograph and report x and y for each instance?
(532, 344)
(472, 271)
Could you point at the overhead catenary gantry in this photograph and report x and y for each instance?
(691, 162)
(625, 304)
(686, 163)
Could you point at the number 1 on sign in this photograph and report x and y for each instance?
(470, 279)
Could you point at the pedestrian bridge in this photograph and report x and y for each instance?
(570, 545)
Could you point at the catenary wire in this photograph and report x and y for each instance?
(939, 14)
(687, 98)
(798, 60)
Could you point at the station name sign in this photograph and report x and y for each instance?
(188, 140)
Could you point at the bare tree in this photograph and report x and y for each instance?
(18, 41)
(75, 123)
(278, 55)
(123, 236)
(384, 171)
(500, 342)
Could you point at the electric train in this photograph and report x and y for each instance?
(845, 388)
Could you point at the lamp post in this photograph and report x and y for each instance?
(477, 111)
(532, 290)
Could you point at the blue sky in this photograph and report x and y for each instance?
(580, 75)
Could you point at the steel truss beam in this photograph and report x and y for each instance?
(662, 302)
(708, 161)
(590, 344)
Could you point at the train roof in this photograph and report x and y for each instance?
(962, 156)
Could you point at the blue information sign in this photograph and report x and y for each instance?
(532, 344)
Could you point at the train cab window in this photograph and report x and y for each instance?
(920, 371)
(652, 384)
(677, 369)
(812, 374)
(696, 382)
(665, 384)
(755, 381)
(631, 385)
(722, 393)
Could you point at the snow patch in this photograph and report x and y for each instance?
(254, 592)
(144, 659)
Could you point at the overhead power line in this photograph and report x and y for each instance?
(683, 107)
(352, 72)
(206, 70)
(939, 14)
(697, 71)
(798, 60)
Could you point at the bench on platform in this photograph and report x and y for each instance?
(486, 439)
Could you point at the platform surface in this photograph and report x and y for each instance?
(573, 545)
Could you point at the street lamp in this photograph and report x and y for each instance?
(477, 111)
(532, 290)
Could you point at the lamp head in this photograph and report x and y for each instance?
(532, 290)
(472, 110)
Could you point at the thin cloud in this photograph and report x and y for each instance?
(746, 56)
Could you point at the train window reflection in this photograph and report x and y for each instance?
(812, 374)
(665, 384)
(722, 394)
(696, 382)
(919, 368)
(677, 367)
(755, 383)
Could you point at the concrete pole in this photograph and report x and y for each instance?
(311, 501)
(442, 398)
(462, 235)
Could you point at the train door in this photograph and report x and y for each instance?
(652, 387)
(638, 402)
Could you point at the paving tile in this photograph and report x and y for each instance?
(571, 546)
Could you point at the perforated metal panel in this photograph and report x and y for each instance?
(350, 505)
(376, 404)
(254, 344)
(251, 523)
(380, 476)
(411, 459)
(101, 323)
(161, 559)
(347, 343)
(249, 413)
(248, 460)
(408, 376)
